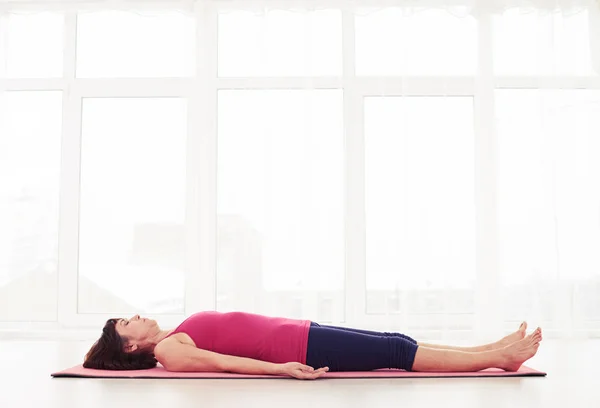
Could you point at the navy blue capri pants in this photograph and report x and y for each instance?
(343, 349)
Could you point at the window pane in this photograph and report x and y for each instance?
(536, 44)
(280, 43)
(136, 45)
(420, 221)
(548, 184)
(133, 192)
(29, 198)
(281, 202)
(396, 41)
(33, 45)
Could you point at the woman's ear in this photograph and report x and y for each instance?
(130, 348)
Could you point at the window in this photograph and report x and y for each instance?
(397, 41)
(136, 45)
(420, 215)
(548, 201)
(280, 200)
(543, 44)
(33, 45)
(280, 43)
(338, 148)
(547, 166)
(29, 198)
(132, 222)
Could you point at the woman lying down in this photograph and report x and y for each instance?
(247, 343)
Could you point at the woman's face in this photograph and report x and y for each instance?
(137, 331)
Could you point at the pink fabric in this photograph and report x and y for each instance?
(159, 372)
(273, 339)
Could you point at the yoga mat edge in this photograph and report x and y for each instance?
(160, 373)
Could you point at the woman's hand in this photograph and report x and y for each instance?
(301, 371)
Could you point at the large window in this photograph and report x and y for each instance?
(281, 202)
(420, 222)
(30, 156)
(549, 191)
(355, 162)
(132, 211)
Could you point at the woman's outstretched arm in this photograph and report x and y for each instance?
(177, 356)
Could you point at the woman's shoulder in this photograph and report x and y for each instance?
(176, 338)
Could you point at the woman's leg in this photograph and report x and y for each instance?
(344, 350)
(347, 350)
(374, 333)
(508, 340)
(509, 358)
(505, 341)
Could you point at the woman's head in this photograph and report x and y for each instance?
(125, 344)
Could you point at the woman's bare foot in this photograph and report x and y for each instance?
(516, 354)
(512, 338)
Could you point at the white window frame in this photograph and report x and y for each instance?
(74, 93)
(201, 92)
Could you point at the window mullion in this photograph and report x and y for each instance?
(201, 268)
(355, 293)
(68, 256)
(487, 296)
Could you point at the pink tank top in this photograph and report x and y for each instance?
(273, 339)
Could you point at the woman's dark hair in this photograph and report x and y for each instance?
(108, 353)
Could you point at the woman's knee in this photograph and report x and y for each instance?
(403, 354)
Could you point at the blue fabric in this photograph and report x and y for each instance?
(343, 349)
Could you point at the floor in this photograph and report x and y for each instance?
(572, 381)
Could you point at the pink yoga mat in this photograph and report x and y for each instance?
(159, 372)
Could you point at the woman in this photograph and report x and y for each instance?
(249, 343)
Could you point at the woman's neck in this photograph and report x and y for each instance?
(160, 336)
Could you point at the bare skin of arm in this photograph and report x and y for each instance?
(179, 353)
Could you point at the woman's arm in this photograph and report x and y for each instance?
(177, 356)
